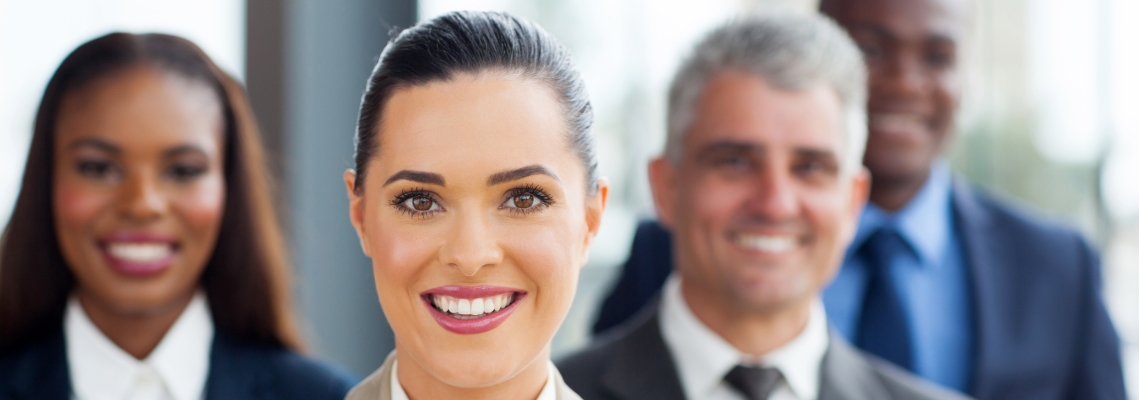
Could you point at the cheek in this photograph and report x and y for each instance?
(201, 207)
(398, 253)
(77, 206)
(713, 199)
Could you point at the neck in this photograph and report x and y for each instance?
(136, 332)
(421, 384)
(750, 331)
(892, 193)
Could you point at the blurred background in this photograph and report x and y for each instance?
(1050, 117)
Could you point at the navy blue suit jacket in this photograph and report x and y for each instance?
(237, 371)
(1042, 330)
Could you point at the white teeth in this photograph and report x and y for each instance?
(471, 307)
(140, 252)
(896, 122)
(768, 244)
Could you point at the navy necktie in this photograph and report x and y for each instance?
(756, 383)
(884, 328)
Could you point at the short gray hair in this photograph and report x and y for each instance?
(790, 52)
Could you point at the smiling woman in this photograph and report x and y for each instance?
(475, 194)
(144, 259)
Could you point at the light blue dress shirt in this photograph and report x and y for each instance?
(932, 278)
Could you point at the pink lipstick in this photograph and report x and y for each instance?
(138, 254)
(469, 310)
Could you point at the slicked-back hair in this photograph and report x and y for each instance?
(472, 42)
(246, 279)
(788, 51)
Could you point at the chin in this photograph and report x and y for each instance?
(475, 369)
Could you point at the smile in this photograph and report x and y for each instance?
(138, 255)
(891, 122)
(471, 309)
(767, 243)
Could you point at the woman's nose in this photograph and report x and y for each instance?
(470, 245)
(140, 198)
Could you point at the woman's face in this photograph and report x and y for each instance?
(138, 188)
(477, 219)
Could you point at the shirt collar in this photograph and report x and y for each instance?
(101, 370)
(549, 392)
(924, 223)
(703, 357)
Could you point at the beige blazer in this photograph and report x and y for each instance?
(378, 386)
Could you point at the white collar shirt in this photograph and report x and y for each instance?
(703, 358)
(175, 370)
(548, 391)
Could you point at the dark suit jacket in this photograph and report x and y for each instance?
(633, 362)
(1042, 330)
(237, 371)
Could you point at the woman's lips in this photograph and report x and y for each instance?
(471, 309)
(138, 254)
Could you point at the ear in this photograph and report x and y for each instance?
(859, 194)
(594, 208)
(859, 191)
(662, 179)
(356, 210)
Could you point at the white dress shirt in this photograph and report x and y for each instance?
(703, 358)
(175, 370)
(548, 391)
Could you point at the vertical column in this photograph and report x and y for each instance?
(308, 63)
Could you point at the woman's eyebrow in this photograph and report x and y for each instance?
(183, 149)
(519, 173)
(416, 176)
(96, 143)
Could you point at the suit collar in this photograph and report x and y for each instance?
(237, 372)
(641, 366)
(980, 243)
(39, 372)
(846, 375)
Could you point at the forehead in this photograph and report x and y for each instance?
(905, 19)
(740, 107)
(473, 124)
(141, 105)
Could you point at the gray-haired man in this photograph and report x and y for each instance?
(761, 185)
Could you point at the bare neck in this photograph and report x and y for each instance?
(893, 193)
(420, 384)
(136, 332)
(751, 332)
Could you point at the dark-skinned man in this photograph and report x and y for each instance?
(963, 289)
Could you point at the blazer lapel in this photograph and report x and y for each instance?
(846, 375)
(982, 256)
(40, 372)
(234, 373)
(642, 367)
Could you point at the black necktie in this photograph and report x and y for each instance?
(884, 328)
(755, 383)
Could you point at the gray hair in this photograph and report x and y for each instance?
(790, 52)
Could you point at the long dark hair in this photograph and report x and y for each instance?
(474, 42)
(246, 279)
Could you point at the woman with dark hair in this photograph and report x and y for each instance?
(143, 259)
(476, 195)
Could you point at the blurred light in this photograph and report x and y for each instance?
(1064, 73)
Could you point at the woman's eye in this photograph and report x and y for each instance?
(523, 201)
(95, 169)
(185, 172)
(527, 199)
(421, 204)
